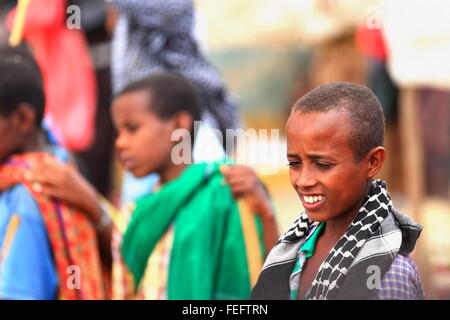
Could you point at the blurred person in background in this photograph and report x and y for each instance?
(49, 250)
(186, 238)
(61, 51)
(153, 36)
(97, 159)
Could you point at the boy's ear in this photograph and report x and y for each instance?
(375, 160)
(25, 118)
(183, 120)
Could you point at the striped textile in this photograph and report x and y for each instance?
(154, 282)
(72, 237)
(122, 280)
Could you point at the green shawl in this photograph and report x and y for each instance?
(208, 258)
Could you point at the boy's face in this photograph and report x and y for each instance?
(144, 142)
(323, 170)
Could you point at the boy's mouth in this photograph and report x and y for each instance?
(127, 163)
(312, 201)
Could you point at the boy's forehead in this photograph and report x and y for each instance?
(133, 97)
(333, 125)
(335, 118)
(130, 102)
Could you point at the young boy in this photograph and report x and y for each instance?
(349, 242)
(48, 250)
(187, 239)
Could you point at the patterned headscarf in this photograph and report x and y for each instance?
(154, 36)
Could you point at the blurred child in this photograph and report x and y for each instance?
(350, 242)
(48, 250)
(156, 36)
(186, 239)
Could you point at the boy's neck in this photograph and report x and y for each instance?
(172, 173)
(35, 142)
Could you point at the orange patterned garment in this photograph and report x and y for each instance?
(72, 237)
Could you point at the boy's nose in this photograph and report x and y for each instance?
(305, 180)
(120, 143)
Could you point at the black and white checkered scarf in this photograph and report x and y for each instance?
(377, 234)
(333, 270)
(157, 35)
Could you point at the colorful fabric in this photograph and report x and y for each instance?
(370, 41)
(72, 237)
(122, 280)
(154, 282)
(374, 238)
(27, 271)
(208, 258)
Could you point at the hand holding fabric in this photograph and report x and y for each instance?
(244, 183)
(63, 182)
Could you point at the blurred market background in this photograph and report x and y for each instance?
(271, 52)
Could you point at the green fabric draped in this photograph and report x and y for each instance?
(208, 259)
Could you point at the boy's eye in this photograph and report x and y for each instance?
(131, 127)
(323, 165)
(294, 163)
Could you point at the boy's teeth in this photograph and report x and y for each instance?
(311, 199)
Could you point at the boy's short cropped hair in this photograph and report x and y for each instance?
(365, 112)
(170, 92)
(20, 82)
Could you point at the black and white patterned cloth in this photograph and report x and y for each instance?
(376, 235)
(157, 35)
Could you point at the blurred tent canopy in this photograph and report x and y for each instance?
(418, 41)
(269, 22)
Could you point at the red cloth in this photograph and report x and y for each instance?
(67, 71)
(371, 42)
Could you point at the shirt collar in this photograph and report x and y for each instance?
(310, 244)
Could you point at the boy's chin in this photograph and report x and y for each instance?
(139, 174)
(317, 216)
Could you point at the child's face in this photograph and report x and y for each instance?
(323, 170)
(144, 142)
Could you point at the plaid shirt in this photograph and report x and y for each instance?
(401, 281)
